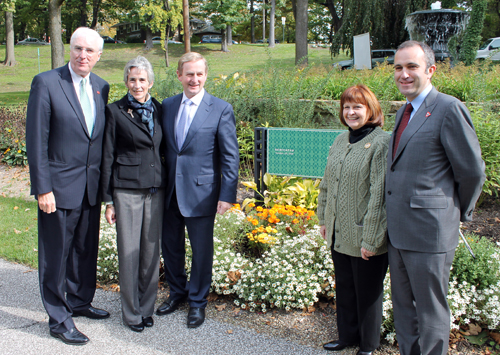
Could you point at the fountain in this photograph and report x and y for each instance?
(436, 27)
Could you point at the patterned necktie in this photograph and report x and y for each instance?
(401, 127)
(86, 108)
(179, 131)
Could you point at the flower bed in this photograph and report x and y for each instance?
(267, 258)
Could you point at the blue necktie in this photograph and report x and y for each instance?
(179, 131)
(86, 108)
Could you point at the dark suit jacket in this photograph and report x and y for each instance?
(130, 157)
(205, 170)
(435, 178)
(62, 156)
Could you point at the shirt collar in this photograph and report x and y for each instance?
(419, 100)
(195, 99)
(75, 77)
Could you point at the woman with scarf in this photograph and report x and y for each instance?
(351, 212)
(132, 186)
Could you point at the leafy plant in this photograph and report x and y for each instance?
(12, 138)
(487, 127)
(484, 270)
(286, 190)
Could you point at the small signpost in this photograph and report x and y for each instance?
(291, 151)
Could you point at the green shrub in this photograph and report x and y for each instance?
(481, 272)
(487, 125)
(13, 135)
(286, 190)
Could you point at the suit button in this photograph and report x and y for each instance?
(152, 165)
(91, 143)
(88, 165)
(152, 148)
(388, 192)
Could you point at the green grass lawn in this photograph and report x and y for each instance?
(15, 81)
(18, 231)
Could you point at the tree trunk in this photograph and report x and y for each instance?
(252, 40)
(229, 35)
(181, 36)
(301, 33)
(223, 44)
(149, 39)
(264, 21)
(10, 58)
(187, 36)
(271, 24)
(95, 13)
(167, 64)
(83, 13)
(57, 47)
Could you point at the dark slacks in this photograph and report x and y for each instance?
(419, 296)
(359, 292)
(138, 226)
(201, 236)
(68, 242)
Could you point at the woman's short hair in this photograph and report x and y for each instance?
(140, 63)
(191, 57)
(360, 94)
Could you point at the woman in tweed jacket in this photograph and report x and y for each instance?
(351, 212)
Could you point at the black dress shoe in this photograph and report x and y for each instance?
(137, 327)
(92, 313)
(364, 352)
(196, 317)
(71, 337)
(335, 345)
(148, 322)
(169, 306)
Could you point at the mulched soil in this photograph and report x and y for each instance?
(308, 328)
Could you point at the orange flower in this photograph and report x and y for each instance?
(295, 221)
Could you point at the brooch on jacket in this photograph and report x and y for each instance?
(131, 112)
(427, 114)
(368, 145)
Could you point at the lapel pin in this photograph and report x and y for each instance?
(131, 112)
(368, 145)
(427, 114)
(98, 93)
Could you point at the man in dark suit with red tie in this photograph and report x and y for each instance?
(64, 131)
(434, 177)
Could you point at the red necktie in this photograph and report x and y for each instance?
(401, 127)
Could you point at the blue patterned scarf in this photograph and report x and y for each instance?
(145, 109)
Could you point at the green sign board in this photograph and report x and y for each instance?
(299, 152)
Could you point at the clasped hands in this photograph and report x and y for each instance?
(365, 254)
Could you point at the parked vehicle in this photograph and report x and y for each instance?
(489, 49)
(378, 56)
(108, 39)
(157, 40)
(32, 40)
(211, 39)
(442, 55)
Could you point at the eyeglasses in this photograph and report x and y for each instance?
(79, 50)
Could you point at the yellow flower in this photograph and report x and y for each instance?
(255, 222)
(295, 221)
(19, 151)
(259, 209)
(251, 204)
(16, 141)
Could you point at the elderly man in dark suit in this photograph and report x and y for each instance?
(64, 132)
(202, 167)
(434, 177)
